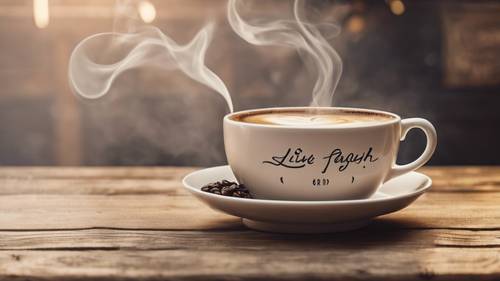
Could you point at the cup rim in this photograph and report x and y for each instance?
(396, 118)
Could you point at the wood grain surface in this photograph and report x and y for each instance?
(138, 223)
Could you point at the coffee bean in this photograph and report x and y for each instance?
(227, 188)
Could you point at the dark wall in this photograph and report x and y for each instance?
(439, 60)
(399, 65)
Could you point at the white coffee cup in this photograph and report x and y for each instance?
(337, 162)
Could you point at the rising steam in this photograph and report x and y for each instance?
(99, 59)
(304, 37)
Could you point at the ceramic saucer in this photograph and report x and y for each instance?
(308, 216)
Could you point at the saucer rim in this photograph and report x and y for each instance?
(419, 191)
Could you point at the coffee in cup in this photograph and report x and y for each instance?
(311, 118)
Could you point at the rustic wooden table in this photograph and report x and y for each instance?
(138, 223)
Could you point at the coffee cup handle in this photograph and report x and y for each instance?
(430, 133)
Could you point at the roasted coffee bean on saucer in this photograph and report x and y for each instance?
(227, 188)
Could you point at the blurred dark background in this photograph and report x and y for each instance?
(438, 60)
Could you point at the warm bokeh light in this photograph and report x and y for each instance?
(147, 11)
(41, 13)
(356, 24)
(397, 7)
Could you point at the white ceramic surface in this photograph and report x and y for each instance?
(308, 216)
(348, 161)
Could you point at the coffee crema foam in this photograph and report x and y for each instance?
(310, 119)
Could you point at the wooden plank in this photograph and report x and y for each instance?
(93, 186)
(109, 181)
(464, 179)
(254, 264)
(123, 254)
(92, 179)
(379, 235)
(468, 238)
(94, 172)
(122, 211)
(66, 225)
(432, 210)
(168, 181)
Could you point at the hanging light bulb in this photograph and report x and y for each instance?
(147, 11)
(397, 7)
(41, 13)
